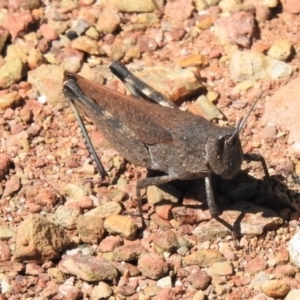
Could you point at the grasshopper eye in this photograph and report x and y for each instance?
(221, 143)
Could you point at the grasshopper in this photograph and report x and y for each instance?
(154, 133)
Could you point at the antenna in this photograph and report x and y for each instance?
(242, 122)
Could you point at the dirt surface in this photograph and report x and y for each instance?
(65, 234)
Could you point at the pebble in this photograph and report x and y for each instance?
(167, 241)
(101, 291)
(174, 83)
(166, 294)
(238, 28)
(275, 288)
(127, 269)
(130, 252)
(88, 268)
(48, 32)
(11, 72)
(294, 249)
(199, 295)
(254, 66)
(221, 269)
(75, 191)
(152, 265)
(6, 233)
(255, 265)
(5, 252)
(66, 217)
(203, 258)
(105, 210)
(291, 6)
(280, 50)
(90, 228)
(57, 275)
(12, 185)
(200, 280)
(17, 22)
(109, 243)
(38, 240)
(121, 225)
(179, 10)
(45, 79)
(165, 282)
(86, 44)
(108, 20)
(156, 194)
(189, 215)
(293, 295)
(131, 6)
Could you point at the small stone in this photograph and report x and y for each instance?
(45, 79)
(12, 186)
(193, 60)
(280, 50)
(255, 265)
(86, 44)
(227, 5)
(179, 10)
(203, 258)
(152, 265)
(5, 252)
(130, 252)
(90, 228)
(75, 191)
(11, 72)
(88, 268)
(168, 241)
(108, 21)
(109, 243)
(38, 240)
(156, 194)
(291, 6)
(254, 66)
(294, 249)
(199, 295)
(101, 291)
(17, 22)
(189, 215)
(33, 269)
(275, 288)
(293, 295)
(131, 6)
(166, 294)
(56, 275)
(165, 282)
(6, 233)
(238, 28)
(121, 225)
(66, 217)
(105, 210)
(221, 269)
(200, 280)
(48, 32)
(284, 271)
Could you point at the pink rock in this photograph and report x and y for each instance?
(48, 32)
(179, 10)
(237, 28)
(46, 197)
(152, 265)
(255, 265)
(164, 210)
(199, 280)
(283, 110)
(5, 253)
(33, 269)
(165, 294)
(291, 6)
(12, 186)
(17, 22)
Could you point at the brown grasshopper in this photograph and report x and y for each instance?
(159, 137)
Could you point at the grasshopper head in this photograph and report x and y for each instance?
(224, 152)
(223, 149)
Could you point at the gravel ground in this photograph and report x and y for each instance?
(65, 234)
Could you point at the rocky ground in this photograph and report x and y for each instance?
(66, 235)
